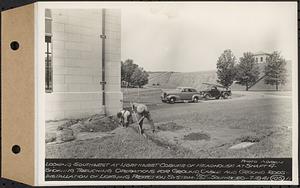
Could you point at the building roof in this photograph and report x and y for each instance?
(261, 53)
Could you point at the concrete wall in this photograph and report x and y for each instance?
(113, 61)
(77, 60)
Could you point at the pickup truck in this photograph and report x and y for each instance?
(181, 94)
(215, 92)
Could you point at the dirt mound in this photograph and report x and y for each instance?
(50, 137)
(95, 123)
(121, 143)
(98, 124)
(251, 138)
(69, 130)
(65, 135)
(169, 126)
(197, 136)
(67, 124)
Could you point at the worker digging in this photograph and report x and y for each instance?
(140, 112)
(125, 117)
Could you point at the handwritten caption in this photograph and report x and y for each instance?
(167, 169)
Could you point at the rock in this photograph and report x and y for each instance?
(242, 145)
(77, 128)
(67, 124)
(65, 135)
(50, 137)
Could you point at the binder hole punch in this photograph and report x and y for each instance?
(16, 149)
(14, 45)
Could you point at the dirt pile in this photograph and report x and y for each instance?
(250, 138)
(70, 129)
(121, 143)
(95, 123)
(50, 137)
(65, 135)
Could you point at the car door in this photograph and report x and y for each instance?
(191, 93)
(184, 94)
(215, 92)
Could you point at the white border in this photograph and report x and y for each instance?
(40, 101)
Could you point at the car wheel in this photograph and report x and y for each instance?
(225, 96)
(206, 97)
(195, 99)
(172, 100)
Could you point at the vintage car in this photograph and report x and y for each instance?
(185, 94)
(214, 91)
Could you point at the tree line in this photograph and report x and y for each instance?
(246, 71)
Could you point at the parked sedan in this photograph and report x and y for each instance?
(180, 94)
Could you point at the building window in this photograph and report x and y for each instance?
(48, 53)
(261, 59)
(256, 59)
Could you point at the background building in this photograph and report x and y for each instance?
(261, 57)
(83, 50)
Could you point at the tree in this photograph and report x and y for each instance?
(127, 69)
(247, 70)
(139, 77)
(275, 70)
(226, 68)
(133, 74)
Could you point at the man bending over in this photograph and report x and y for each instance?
(142, 112)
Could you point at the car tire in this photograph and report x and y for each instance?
(172, 100)
(195, 100)
(205, 97)
(225, 96)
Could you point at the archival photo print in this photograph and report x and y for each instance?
(170, 81)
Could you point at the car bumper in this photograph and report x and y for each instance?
(164, 99)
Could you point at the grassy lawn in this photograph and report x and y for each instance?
(266, 121)
(194, 130)
(147, 96)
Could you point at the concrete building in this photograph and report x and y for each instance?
(82, 63)
(261, 57)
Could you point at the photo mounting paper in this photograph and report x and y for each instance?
(133, 93)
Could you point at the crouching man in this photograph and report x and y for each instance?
(125, 117)
(142, 112)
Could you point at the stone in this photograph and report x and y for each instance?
(242, 145)
(65, 135)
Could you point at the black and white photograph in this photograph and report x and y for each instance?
(209, 80)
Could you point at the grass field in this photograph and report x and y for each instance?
(206, 129)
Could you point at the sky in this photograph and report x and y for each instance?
(188, 37)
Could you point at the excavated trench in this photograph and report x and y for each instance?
(197, 136)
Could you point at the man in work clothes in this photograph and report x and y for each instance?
(142, 112)
(125, 117)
